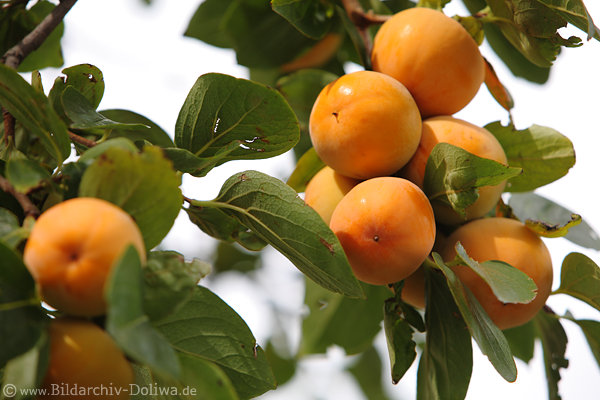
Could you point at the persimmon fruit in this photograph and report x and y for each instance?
(72, 248)
(472, 138)
(84, 357)
(433, 56)
(325, 190)
(507, 240)
(365, 124)
(386, 227)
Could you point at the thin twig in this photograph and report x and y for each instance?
(81, 140)
(16, 54)
(363, 20)
(28, 207)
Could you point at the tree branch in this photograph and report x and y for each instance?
(16, 54)
(81, 140)
(28, 207)
(363, 20)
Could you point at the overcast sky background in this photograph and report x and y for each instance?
(149, 67)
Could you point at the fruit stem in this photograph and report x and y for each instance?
(81, 140)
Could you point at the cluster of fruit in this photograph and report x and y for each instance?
(375, 130)
(70, 253)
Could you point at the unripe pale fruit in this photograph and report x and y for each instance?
(386, 227)
(72, 248)
(510, 241)
(365, 124)
(84, 357)
(472, 138)
(325, 190)
(433, 56)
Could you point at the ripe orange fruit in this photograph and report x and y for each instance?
(433, 56)
(83, 357)
(510, 241)
(365, 124)
(386, 227)
(472, 138)
(72, 248)
(325, 190)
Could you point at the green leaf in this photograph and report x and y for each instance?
(311, 17)
(335, 319)
(275, 212)
(553, 230)
(262, 38)
(544, 154)
(210, 382)
(49, 54)
(187, 162)
(11, 232)
(509, 284)
(206, 327)
(25, 174)
(447, 360)
(231, 257)
(452, 176)
(367, 372)
(554, 345)
(301, 89)
(307, 167)
(358, 43)
(33, 110)
(535, 207)
(143, 184)
(221, 109)
(127, 323)
(400, 343)
(591, 330)
(489, 338)
(84, 116)
(155, 135)
(169, 282)
(91, 154)
(218, 224)
(85, 78)
(574, 12)
(26, 372)
(284, 367)
(207, 23)
(522, 341)
(21, 322)
(580, 278)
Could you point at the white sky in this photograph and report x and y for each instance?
(149, 68)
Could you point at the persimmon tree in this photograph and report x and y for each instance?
(56, 145)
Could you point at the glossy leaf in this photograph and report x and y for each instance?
(85, 117)
(446, 363)
(143, 184)
(275, 213)
(509, 284)
(187, 162)
(25, 174)
(155, 134)
(335, 319)
(208, 328)
(311, 17)
(21, 322)
(400, 343)
(532, 206)
(452, 176)
(207, 23)
(221, 109)
(544, 154)
(574, 12)
(127, 323)
(489, 338)
(554, 345)
(33, 110)
(308, 165)
(522, 341)
(169, 281)
(85, 78)
(580, 278)
(222, 226)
